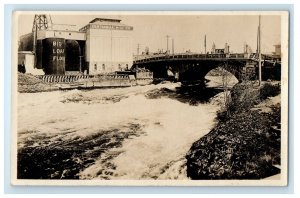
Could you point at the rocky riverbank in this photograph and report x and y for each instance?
(245, 144)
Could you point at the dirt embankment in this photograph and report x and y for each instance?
(28, 83)
(245, 144)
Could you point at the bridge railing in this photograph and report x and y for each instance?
(183, 56)
(191, 56)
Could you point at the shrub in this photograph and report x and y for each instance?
(245, 96)
(242, 97)
(269, 90)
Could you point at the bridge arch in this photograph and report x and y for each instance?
(235, 70)
(194, 71)
(220, 77)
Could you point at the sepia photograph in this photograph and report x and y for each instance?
(150, 98)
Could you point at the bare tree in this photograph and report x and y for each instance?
(226, 78)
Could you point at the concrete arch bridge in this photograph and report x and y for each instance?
(194, 67)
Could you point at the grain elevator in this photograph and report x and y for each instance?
(102, 46)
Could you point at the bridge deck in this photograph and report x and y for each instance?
(216, 57)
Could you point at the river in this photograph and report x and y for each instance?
(109, 133)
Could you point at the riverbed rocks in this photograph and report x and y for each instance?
(192, 95)
(90, 98)
(64, 158)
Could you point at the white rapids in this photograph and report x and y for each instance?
(168, 128)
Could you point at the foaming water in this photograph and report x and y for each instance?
(166, 129)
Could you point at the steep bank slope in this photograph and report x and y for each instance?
(245, 144)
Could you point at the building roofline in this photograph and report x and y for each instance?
(105, 19)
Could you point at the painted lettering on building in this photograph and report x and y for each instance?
(58, 51)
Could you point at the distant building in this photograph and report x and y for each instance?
(247, 49)
(102, 46)
(108, 45)
(224, 50)
(219, 51)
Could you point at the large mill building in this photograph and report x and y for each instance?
(102, 46)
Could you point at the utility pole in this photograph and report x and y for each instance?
(111, 48)
(205, 43)
(257, 41)
(168, 43)
(259, 52)
(173, 46)
(34, 46)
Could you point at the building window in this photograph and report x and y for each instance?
(103, 66)
(70, 34)
(95, 66)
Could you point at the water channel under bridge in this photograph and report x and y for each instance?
(194, 67)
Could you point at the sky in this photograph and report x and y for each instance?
(188, 31)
